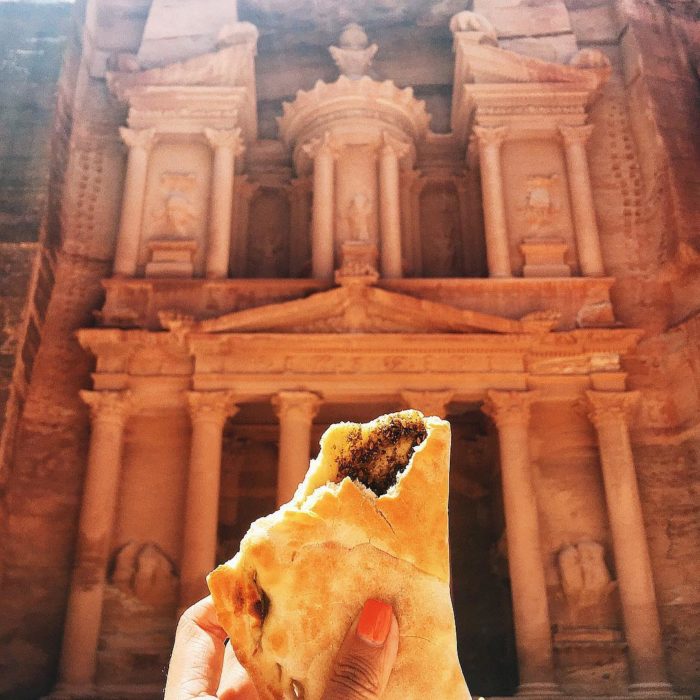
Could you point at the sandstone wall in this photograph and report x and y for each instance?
(644, 164)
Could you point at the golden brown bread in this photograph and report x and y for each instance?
(303, 573)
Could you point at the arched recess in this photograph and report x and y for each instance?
(268, 234)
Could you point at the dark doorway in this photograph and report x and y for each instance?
(480, 585)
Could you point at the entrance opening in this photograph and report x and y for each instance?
(480, 583)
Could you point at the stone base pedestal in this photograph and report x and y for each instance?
(171, 258)
(591, 660)
(358, 263)
(544, 257)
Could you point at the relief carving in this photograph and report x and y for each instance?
(177, 214)
(585, 580)
(541, 205)
(145, 571)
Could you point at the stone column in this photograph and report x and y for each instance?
(587, 239)
(126, 255)
(323, 214)
(391, 262)
(510, 411)
(495, 223)
(429, 403)
(208, 412)
(610, 413)
(296, 411)
(226, 145)
(108, 414)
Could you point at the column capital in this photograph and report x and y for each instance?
(305, 403)
(211, 406)
(226, 138)
(575, 134)
(138, 138)
(391, 146)
(491, 135)
(112, 406)
(322, 145)
(606, 407)
(509, 407)
(429, 403)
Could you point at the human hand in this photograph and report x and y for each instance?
(203, 668)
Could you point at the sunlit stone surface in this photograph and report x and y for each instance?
(251, 221)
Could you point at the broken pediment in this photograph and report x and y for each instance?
(356, 309)
(226, 67)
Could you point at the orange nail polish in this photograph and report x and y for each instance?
(374, 623)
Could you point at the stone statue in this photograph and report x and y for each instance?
(358, 217)
(144, 571)
(540, 209)
(476, 26)
(354, 55)
(584, 576)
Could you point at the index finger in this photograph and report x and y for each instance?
(198, 654)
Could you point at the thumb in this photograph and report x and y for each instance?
(363, 665)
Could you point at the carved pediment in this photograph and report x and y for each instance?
(355, 309)
(481, 63)
(224, 68)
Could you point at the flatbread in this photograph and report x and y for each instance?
(303, 574)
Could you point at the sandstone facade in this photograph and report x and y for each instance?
(486, 211)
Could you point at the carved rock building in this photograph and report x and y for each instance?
(485, 210)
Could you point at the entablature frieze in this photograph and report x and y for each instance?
(159, 366)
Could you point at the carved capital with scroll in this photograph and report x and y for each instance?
(509, 407)
(226, 138)
(138, 138)
(108, 406)
(301, 405)
(211, 406)
(491, 136)
(612, 407)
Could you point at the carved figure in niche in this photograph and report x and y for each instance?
(354, 56)
(541, 208)
(584, 576)
(178, 214)
(145, 571)
(358, 217)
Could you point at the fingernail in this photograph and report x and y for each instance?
(374, 623)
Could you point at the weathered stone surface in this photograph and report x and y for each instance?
(444, 334)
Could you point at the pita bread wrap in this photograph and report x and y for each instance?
(368, 521)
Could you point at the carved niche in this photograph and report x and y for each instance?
(176, 210)
(269, 233)
(441, 230)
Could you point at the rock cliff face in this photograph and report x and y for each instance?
(61, 173)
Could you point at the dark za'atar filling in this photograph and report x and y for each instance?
(375, 458)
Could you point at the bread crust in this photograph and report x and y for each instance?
(303, 574)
